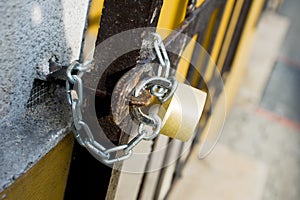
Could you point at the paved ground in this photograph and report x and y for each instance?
(286, 74)
(258, 156)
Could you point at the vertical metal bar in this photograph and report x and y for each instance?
(208, 38)
(88, 178)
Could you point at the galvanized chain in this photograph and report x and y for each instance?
(161, 87)
(162, 55)
(163, 93)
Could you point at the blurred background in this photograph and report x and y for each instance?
(258, 155)
(253, 44)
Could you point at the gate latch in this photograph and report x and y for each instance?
(180, 107)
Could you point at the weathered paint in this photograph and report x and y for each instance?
(45, 180)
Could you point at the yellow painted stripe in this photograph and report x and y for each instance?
(239, 63)
(229, 34)
(199, 3)
(171, 15)
(47, 178)
(91, 33)
(184, 62)
(236, 73)
(228, 38)
(205, 45)
(94, 16)
(222, 30)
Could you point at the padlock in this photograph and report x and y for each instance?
(181, 114)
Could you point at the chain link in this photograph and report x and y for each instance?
(162, 88)
(163, 93)
(162, 55)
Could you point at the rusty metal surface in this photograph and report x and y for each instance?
(117, 16)
(144, 99)
(196, 23)
(176, 42)
(115, 88)
(123, 91)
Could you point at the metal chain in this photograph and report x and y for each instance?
(163, 93)
(162, 88)
(162, 56)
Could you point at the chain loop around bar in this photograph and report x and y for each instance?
(162, 86)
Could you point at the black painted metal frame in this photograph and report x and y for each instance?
(89, 178)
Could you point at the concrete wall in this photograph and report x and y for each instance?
(31, 32)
